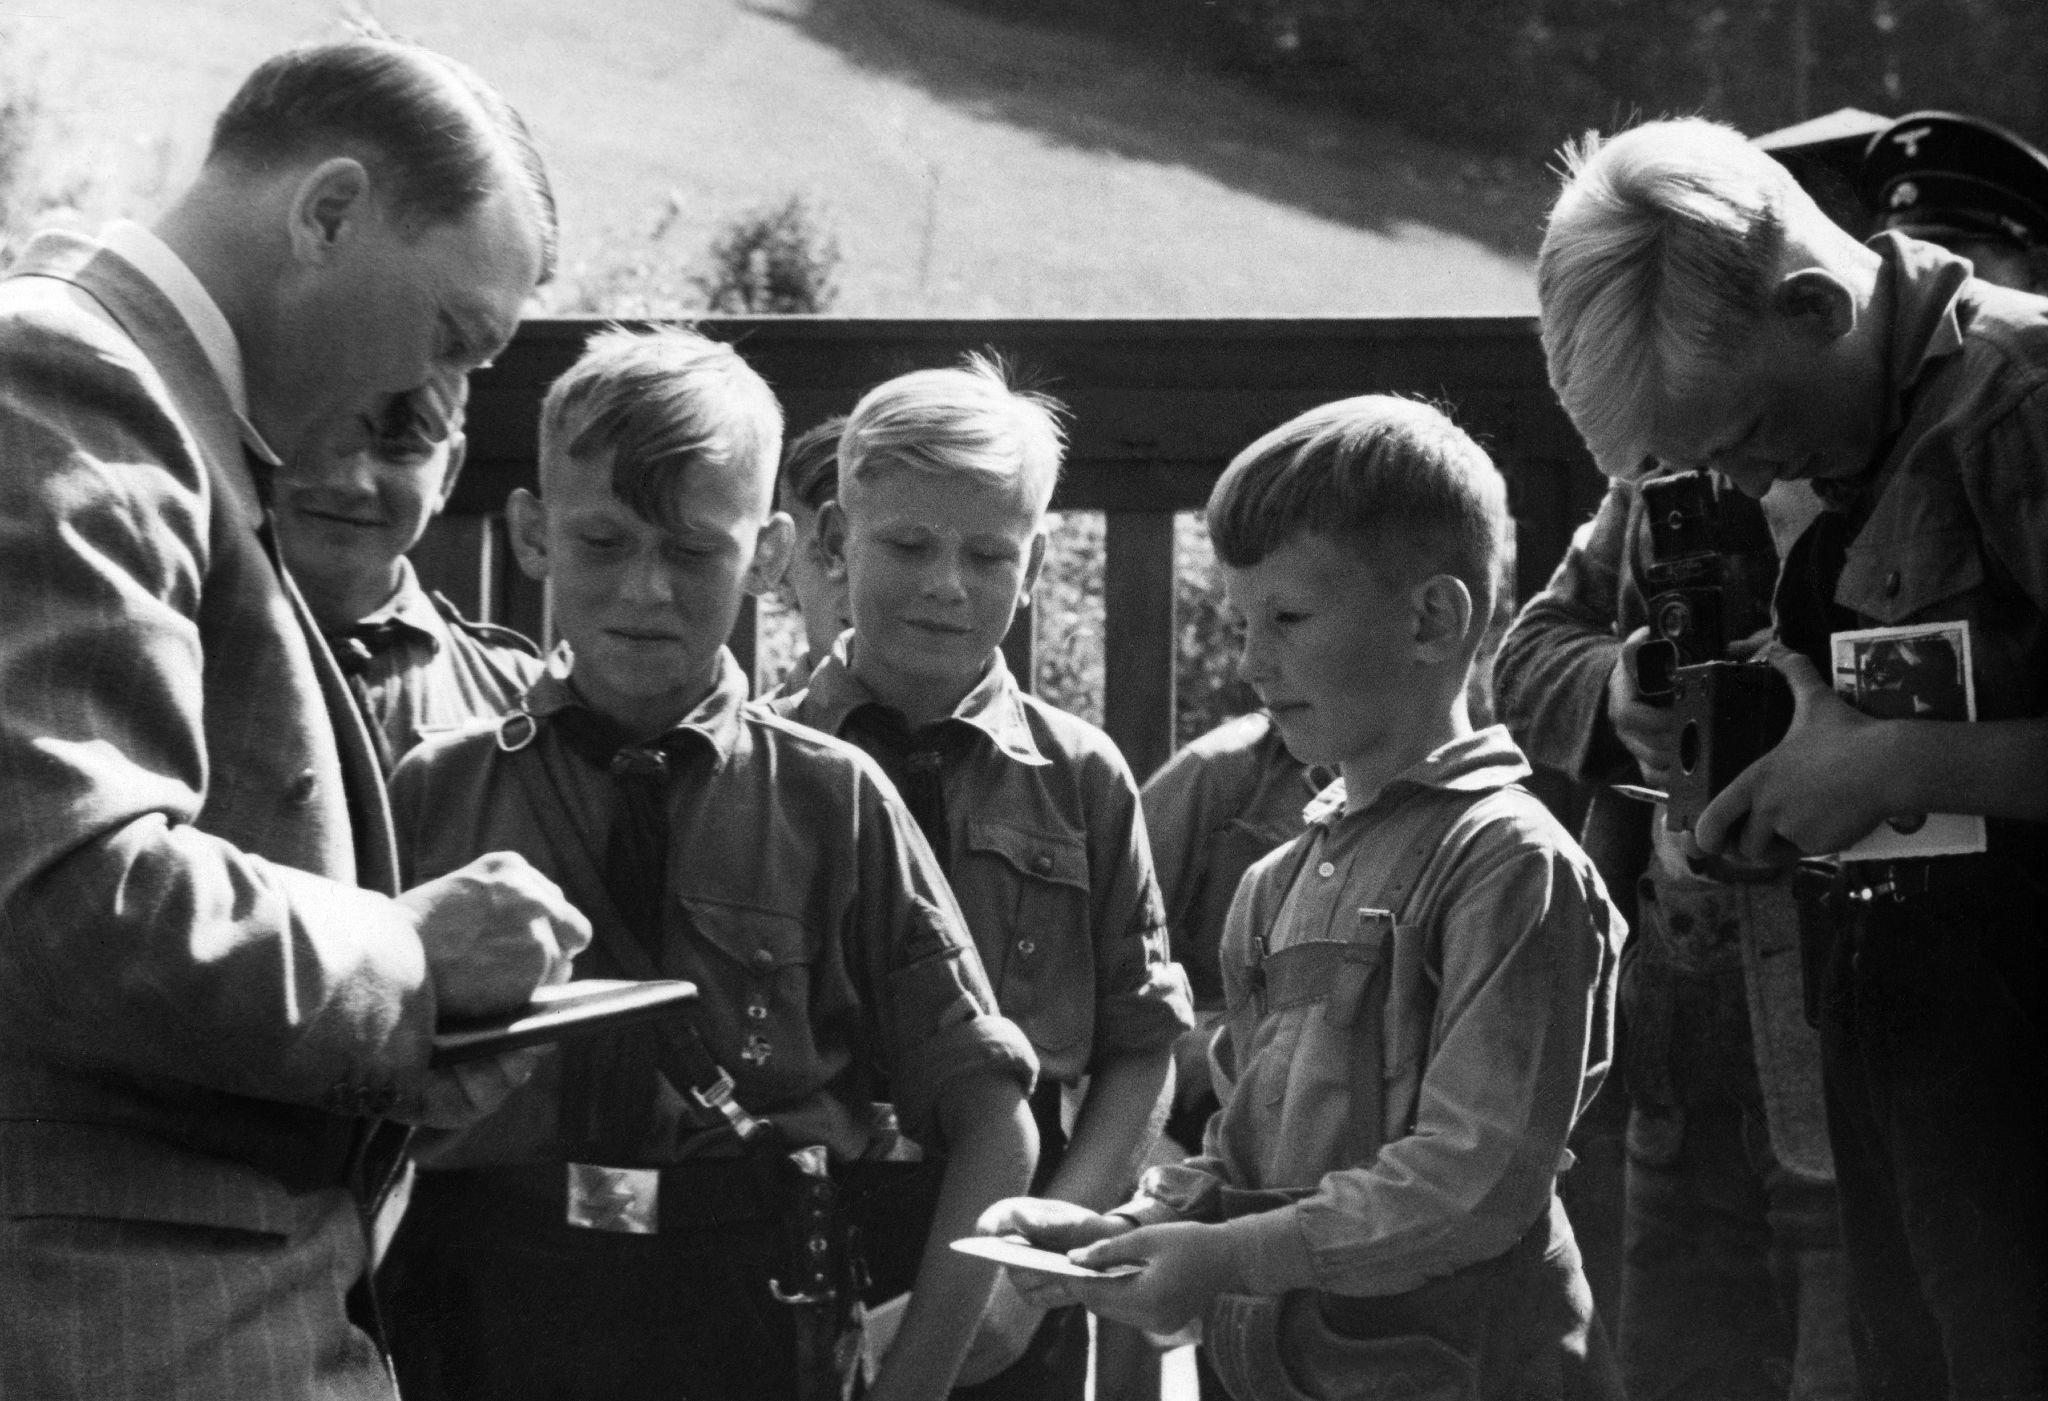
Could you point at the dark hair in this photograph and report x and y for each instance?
(435, 136)
(1393, 477)
(660, 402)
(810, 467)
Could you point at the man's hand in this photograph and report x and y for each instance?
(493, 932)
(465, 1092)
(1048, 1223)
(1825, 786)
(1648, 732)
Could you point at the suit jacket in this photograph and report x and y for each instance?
(197, 998)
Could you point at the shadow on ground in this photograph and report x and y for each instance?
(1098, 95)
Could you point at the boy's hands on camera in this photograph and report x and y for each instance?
(1649, 732)
(1823, 788)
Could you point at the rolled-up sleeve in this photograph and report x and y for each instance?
(1142, 1001)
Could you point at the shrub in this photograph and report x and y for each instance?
(776, 261)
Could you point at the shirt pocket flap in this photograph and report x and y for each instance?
(1058, 857)
(760, 940)
(1305, 972)
(1893, 581)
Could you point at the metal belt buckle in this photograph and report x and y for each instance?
(614, 1198)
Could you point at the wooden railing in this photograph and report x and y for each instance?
(1158, 408)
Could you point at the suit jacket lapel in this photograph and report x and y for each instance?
(149, 318)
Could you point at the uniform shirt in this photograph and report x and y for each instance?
(1046, 851)
(435, 670)
(1497, 1031)
(833, 967)
(1226, 799)
(1952, 521)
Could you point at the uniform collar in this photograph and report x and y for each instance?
(167, 272)
(1483, 760)
(995, 706)
(714, 721)
(409, 607)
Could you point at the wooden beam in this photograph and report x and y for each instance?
(1138, 636)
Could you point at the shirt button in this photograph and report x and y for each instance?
(763, 959)
(302, 789)
(757, 1012)
(1042, 864)
(1326, 870)
(1026, 947)
(1891, 584)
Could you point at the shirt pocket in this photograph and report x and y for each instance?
(756, 971)
(1315, 999)
(1899, 581)
(1030, 918)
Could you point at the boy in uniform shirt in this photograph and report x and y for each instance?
(815, 583)
(944, 479)
(346, 513)
(605, 1234)
(1419, 988)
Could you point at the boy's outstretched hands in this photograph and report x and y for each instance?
(1186, 1264)
(1823, 788)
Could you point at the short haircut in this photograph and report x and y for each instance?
(1658, 263)
(660, 403)
(1395, 479)
(969, 418)
(810, 467)
(436, 138)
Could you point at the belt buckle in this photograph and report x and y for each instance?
(621, 1200)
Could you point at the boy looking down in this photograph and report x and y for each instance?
(1418, 989)
(607, 1235)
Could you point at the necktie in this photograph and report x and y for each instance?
(356, 649)
(613, 1103)
(915, 761)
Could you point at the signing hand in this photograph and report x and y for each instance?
(1823, 788)
(468, 1090)
(493, 932)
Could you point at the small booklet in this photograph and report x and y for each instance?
(558, 1012)
(1917, 672)
(1017, 1254)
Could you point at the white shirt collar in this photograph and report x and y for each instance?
(154, 259)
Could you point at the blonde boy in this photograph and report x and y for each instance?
(606, 1235)
(1417, 989)
(944, 479)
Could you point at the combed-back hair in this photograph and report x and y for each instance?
(436, 138)
(1658, 263)
(810, 466)
(1395, 479)
(660, 403)
(969, 418)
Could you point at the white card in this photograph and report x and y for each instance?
(1009, 1250)
(1917, 672)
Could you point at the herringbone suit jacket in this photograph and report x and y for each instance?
(198, 996)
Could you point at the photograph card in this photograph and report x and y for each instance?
(1917, 672)
(560, 1011)
(1016, 1254)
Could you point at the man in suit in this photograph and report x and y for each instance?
(210, 986)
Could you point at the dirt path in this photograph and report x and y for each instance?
(968, 167)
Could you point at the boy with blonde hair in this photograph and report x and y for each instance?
(1700, 310)
(944, 480)
(653, 1215)
(1418, 989)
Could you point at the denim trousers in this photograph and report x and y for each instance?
(1734, 1282)
(1931, 1032)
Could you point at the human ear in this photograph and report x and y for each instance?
(458, 451)
(1032, 565)
(329, 204)
(526, 519)
(1816, 305)
(1442, 612)
(831, 541)
(772, 549)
